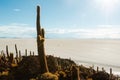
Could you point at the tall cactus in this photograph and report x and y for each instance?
(40, 44)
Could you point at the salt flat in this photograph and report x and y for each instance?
(103, 53)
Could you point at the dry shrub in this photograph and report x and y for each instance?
(47, 76)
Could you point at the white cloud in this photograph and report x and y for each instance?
(100, 31)
(17, 30)
(25, 31)
(17, 10)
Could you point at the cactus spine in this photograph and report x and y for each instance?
(40, 44)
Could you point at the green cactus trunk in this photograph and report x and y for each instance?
(40, 44)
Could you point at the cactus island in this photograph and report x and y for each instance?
(45, 67)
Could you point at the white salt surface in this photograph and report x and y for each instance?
(103, 53)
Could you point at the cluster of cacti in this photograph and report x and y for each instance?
(40, 44)
(30, 53)
(26, 70)
(10, 56)
(18, 54)
(103, 74)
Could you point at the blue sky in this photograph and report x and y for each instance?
(61, 18)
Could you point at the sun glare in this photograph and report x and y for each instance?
(107, 6)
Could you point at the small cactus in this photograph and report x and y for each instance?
(75, 73)
(30, 53)
(16, 51)
(97, 69)
(7, 51)
(11, 58)
(20, 57)
(25, 52)
(33, 53)
(110, 77)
